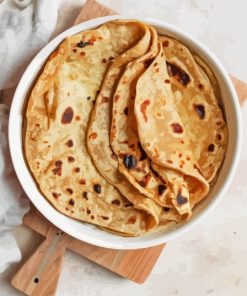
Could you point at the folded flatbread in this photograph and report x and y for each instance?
(124, 129)
(57, 119)
(195, 97)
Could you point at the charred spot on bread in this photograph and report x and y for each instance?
(161, 189)
(177, 128)
(85, 195)
(70, 143)
(181, 200)
(72, 202)
(82, 44)
(130, 161)
(116, 202)
(200, 110)
(178, 73)
(97, 188)
(67, 116)
(211, 147)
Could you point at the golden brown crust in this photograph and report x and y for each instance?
(57, 116)
(123, 128)
(197, 101)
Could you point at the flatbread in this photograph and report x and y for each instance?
(124, 135)
(57, 118)
(124, 129)
(195, 89)
(98, 133)
(163, 136)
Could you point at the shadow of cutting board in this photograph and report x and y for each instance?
(39, 275)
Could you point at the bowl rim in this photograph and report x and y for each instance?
(19, 165)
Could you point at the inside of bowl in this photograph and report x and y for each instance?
(95, 235)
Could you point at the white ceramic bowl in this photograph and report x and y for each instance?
(89, 233)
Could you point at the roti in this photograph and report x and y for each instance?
(98, 133)
(133, 162)
(163, 136)
(195, 95)
(124, 129)
(57, 119)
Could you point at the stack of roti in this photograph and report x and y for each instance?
(124, 129)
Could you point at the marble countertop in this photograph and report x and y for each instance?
(211, 258)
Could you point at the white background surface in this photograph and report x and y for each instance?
(211, 258)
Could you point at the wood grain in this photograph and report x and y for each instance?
(132, 264)
(40, 273)
(92, 9)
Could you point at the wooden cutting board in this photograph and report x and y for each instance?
(39, 275)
